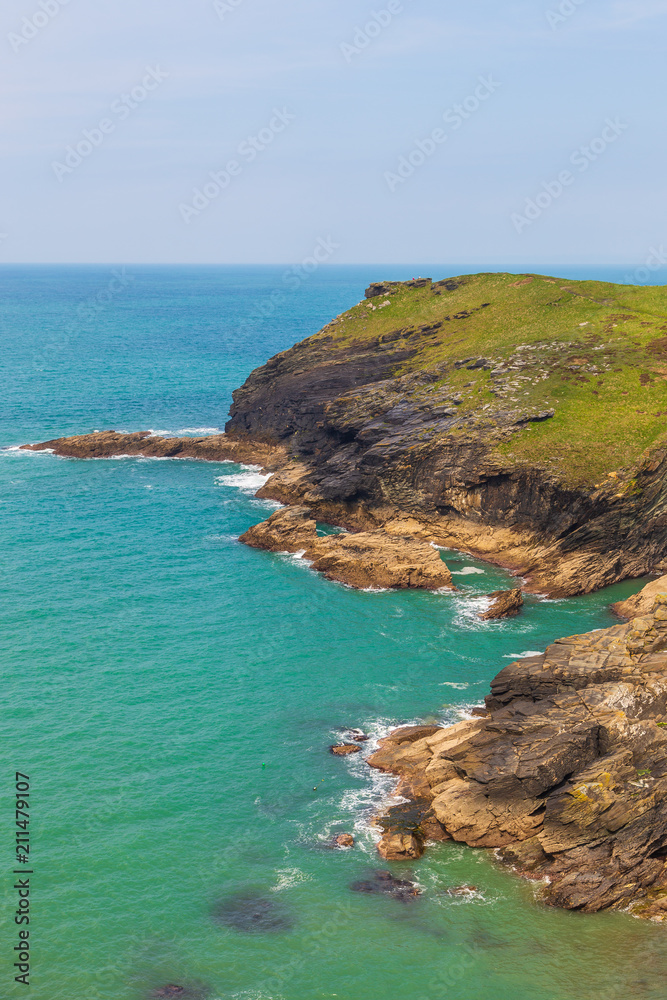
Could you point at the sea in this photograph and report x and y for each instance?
(172, 695)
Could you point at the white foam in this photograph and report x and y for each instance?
(454, 684)
(203, 431)
(18, 451)
(248, 481)
(289, 877)
(183, 432)
(467, 571)
(522, 656)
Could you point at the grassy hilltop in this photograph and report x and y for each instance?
(594, 352)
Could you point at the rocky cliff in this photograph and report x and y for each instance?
(519, 418)
(565, 773)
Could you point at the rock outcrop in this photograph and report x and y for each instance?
(506, 604)
(214, 448)
(641, 603)
(344, 749)
(450, 412)
(361, 559)
(425, 404)
(565, 775)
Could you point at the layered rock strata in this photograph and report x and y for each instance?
(362, 560)
(505, 604)
(385, 434)
(565, 774)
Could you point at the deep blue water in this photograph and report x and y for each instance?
(172, 694)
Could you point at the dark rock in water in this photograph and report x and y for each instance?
(345, 749)
(505, 604)
(184, 992)
(383, 883)
(358, 735)
(253, 914)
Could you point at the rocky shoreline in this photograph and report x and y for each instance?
(564, 773)
(394, 424)
(214, 448)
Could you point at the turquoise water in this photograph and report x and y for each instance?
(172, 694)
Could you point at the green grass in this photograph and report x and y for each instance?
(594, 352)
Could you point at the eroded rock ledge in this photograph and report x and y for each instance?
(565, 774)
(362, 560)
(216, 448)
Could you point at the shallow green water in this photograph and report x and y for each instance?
(172, 695)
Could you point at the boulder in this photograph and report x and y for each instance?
(506, 603)
(343, 840)
(344, 749)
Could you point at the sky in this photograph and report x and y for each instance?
(493, 133)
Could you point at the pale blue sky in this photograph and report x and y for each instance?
(347, 117)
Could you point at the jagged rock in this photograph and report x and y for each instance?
(642, 602)
(345, 749)
(214, 448)
(362, 560)
(344, 840)
(401, 846)
(379, 433)
(506, 603)
(567, 774)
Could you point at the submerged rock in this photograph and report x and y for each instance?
(184, 992)
(253, 914)
(506, 603)
(566, 775)
(365, 559)
(383, 883)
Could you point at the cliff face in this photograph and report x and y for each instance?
(566, 773)
(485, 413)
